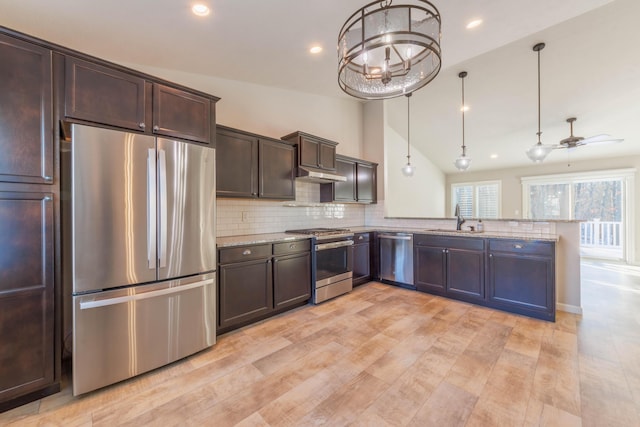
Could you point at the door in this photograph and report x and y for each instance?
(113, 208)
(431, 269)
(465, 273)
(186, 209)
(181, 114)
(26, 137)
(27, 323)
(277, 166)
(237, 164)
(291, 279)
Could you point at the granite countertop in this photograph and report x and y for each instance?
(256, 239)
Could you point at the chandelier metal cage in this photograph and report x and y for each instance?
(387, 50)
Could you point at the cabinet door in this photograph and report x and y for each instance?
(26, 130)
(430, 269)
(236, 165)
(345, 191)
(181, 114)
(522, 284)
(465, 273)
(309, 152)
(277, 164)
(245, 292)
(103, 95)
(327, 155)
(26, 293)
(361, 262)
(366, 183)
(291, 279)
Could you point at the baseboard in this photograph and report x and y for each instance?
(567, 308)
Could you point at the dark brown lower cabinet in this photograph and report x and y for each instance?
(361, 258)
(27, 297)
(521, 277)
(257, 281)
(245, 292)
(291, 279)
(450, 266)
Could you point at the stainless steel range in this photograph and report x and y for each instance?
(332, 259)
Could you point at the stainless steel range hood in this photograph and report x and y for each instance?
(308, 174)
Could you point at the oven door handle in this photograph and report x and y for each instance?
(333, 245)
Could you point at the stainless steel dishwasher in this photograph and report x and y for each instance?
(396, 257)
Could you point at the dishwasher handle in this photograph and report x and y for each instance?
(395, 236)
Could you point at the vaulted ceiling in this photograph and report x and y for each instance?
(590, 67)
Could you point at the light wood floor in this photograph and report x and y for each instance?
(386, 356)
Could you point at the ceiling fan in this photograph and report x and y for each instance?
(577, 141)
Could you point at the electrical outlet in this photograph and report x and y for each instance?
(245, 216)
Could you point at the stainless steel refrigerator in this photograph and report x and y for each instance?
(141, 239)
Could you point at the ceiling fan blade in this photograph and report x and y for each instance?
(600, 139)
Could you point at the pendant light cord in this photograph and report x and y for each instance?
(408, 127)
(538, 48)
(464, 148)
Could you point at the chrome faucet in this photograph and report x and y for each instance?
(460, 218)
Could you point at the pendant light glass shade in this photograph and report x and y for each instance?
(408, 170)
(463, 162)
(539, 151)
(387, 50)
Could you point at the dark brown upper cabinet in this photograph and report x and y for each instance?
(100, 94)
(26, 118)
(103, 95)
(252, 166)
(360, 186)
(181, 114)
(313, 151)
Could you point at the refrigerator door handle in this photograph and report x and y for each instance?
(85, 305)
(151, 209)
(162, 164)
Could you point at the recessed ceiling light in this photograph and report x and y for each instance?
(200, 9)
(494, 156)
(316, 49)
(474, 23)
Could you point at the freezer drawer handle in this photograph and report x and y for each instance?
(137, 297)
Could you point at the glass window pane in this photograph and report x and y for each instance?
(549, 201)
(488, 200)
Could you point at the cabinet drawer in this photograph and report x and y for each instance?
(361, 238)
(244, 253)
(522, 246)
(291, 247)
(471, 243)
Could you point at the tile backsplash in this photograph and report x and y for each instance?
(246, 216)
(236, 217)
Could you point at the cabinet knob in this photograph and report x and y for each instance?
(444, 251)
(517, 246)
(292, 246)
(156, 128)
(360, 237)
(142, 125)
(246, 252)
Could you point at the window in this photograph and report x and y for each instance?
(477, 199)
(601, 200)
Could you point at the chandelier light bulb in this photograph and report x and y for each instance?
(408, 170)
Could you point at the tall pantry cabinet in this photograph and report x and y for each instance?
(29, 341)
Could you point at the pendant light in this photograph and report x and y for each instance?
(539, 151)
(387, 50)
(408, 170)
(463, 162)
